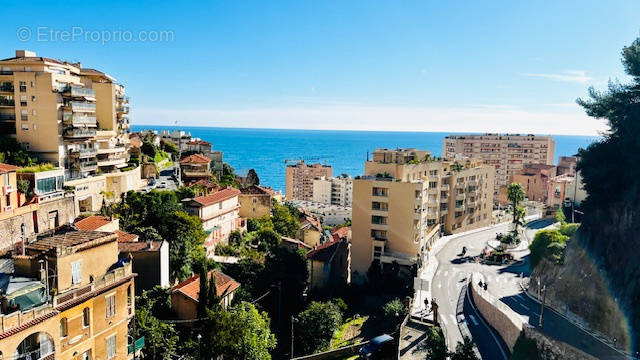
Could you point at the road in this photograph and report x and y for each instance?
(166, 175)
(504, 283)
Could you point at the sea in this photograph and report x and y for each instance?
(267, 150)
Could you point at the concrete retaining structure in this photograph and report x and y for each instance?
(500, 316)
(339, 353)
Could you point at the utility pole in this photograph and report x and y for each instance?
(544, 298)
(293, 319)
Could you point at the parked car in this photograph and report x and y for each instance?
(380, 347)
(152, 181)
(162, 185)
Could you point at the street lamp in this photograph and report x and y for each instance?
(293, 320)
(199, 337)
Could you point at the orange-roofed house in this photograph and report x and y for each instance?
(185, 295)
(310, 230)
(98, 223)
(219, 213)
(195, 167)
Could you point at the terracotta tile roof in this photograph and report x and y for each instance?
(125, 237)
(324, 252)
(341, 232)
(195, 159)
(6, 168)
(191, 286)
(93, 222)
(139, 246)
(308, 222)
(217, 196)
(71, 239)
(298, 243)
(204, 183)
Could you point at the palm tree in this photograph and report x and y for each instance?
(515, 194)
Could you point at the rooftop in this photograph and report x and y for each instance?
(125, 237)
(257, 190)
(78, 239)
(217, 197)
(93, 222)
(298, 243)
(4, 168)
(325, 251)
(191, 286)
(139, 246)
(195, 159)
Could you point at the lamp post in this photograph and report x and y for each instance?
(199, 337)
(293, 320)
(544, 298)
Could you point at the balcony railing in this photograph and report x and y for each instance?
(7, 117)
(79, 120)
(77, 91)
(79, 133)
(122, 109)
(86, 166)
(79, 106)
(106, 280)
(6, 72)
(460, 207)
(6, 87)
(84, 153)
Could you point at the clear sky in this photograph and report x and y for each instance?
(340, 64)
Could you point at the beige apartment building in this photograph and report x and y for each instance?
(299, 179)
(405, 200)
(333, 191)
(71, 116)
(508, 153)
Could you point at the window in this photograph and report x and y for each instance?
(24, 126)
(76, 272)
(86, 355)
(24, 115)
(111, 347)
(86, 317)
(111, 306)
(23, 85)
(23, 100)
(63, 328)
(33, 98)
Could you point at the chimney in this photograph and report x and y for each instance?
(25, 53)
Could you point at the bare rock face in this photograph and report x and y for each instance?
(533, 342)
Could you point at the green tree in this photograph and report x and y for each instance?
(267, 239)
(394, 311)
(241, 333)
(203, 294)
(516, 195)
(464, 350)
(559, 215)
(161, 339)
(547, 244)
(149, 149)
(236, 238)
(316, 326)
(284, 223)
(171, 149)
(13, 153)
(185, 243)
(436, 346)
(289, 268)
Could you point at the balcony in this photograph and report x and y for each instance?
(83, 153)
(433, 191)
(4, 102)
(85, 166)
(473, 192)
(79, 133)
(444, 197)
(79, 106)
(460, 207)
(444, 187)
(79, 120)
(473, 182)
(6, 72)
(77, 91)
(111, 162)
(112, 149)
(460, 185)
(7, 117)
(6, 87)
(122, 99)
(472, 204)
(122, 109)
(460, 196)
(443, 212)
(107, 279)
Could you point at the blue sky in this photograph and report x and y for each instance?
(378, 65)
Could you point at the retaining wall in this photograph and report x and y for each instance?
(339, 353)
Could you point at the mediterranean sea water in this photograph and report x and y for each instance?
(265, 150)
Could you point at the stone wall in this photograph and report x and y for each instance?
(506, 322)
(340, 353)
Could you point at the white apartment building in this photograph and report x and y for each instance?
(333, 190)
(508, 153)
(328, 214)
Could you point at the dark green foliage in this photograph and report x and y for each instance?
(161, 338)
(394, 311)
(464, 350)
(186, 192)
(436, 346)
(147, 233)
(284, 220)
(289, 268)
(12, 153)
(568, 229)
(525, 349)
(170, 148)
(252, 178)
(316, 326)
(267, 239)
(148, 149)
(548, 244)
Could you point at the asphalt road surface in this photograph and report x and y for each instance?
(504, 283)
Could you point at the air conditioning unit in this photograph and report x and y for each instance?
(8, 189)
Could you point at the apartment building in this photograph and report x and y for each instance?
(405, 200)
(68, 297)
(71, 116)
(255, 201)
(299, 179)
(508, 153)
(534, 179)
(327, 214)
(333, 190)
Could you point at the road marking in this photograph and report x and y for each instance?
(444, 320)
(445, 273)
(453, 317)
(439, 285)
(473, 319)
(504, 355)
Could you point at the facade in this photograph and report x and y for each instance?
(330, 215)
(575, 192)
(299, 179)
(534, 179)
(185, 295)
(567, 165)
(255, 202)
(219, 213)
(333, 191)
(508, 153)
(81, 310)
(406, 200)
(45, 206)
(150, 261)
(330, 266)
(310, 231)
(195, 167)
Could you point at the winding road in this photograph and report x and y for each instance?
(504, 283)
